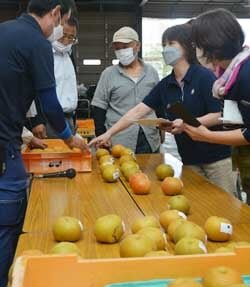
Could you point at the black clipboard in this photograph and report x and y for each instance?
(180, 111)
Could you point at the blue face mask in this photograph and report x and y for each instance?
(171, 55)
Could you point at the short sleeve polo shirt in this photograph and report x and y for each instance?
(26, 66)
(196, 95)
(117, 93)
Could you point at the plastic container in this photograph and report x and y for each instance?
(56, 157)
(86, 128)
(65, 271)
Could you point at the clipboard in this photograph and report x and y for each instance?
(179, 110)
(153, 122)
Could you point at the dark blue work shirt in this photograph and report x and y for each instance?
(196, 96)
(26, 66)
(240, 92)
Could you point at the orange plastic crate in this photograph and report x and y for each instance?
(57, 157)
(86, 128)
(65, 271)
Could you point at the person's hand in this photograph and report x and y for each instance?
(37, 143)
(106, 145)
(40, 131)
(166, 127)
(198, 134)
(177, 127)
(103, 140)
(78, 142)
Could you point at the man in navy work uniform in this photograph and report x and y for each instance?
(27, 72)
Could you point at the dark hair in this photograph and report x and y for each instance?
(183, 35)
(218, 34)
(72, 21)
(67, 5)
(42, 7)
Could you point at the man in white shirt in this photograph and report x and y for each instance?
(66, 83)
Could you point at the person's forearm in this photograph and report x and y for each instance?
(54, 113)
(234, 138)
(129, 118)
(209, 120)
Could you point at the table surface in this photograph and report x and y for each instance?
(88, 197)
(85, 197)
(206, 199)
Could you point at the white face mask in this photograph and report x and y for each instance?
(125, 56)
(61, 48)
(204, 61)
(171, 55)
(56, 34)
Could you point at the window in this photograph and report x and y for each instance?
(91, 62)
(152, 30)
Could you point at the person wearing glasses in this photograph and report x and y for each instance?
(66, 84)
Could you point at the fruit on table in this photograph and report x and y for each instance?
(172, 227)
(179, 202)
(136, 245)
(110, 173)
(140, 183)
(101, 152)
(157, 253)
(221, 276)
(167, 216)
(218, 229)
(156, 235)
(131, 172)
(106, 158)
(190, 245)
(109, 228)
(127, 151)
(127, 165)
(145, 221)
(67, 228)
(164, 170)
(116, 150)
(65, 248)
(104, 164)
(172, 186)
(189, 229)
(129, 168)
(184, 282)
(124, 158)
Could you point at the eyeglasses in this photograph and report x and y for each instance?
(70, 38)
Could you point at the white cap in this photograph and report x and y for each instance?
(125, 35)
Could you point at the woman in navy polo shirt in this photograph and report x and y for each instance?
(191, 84)
(219, 40)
